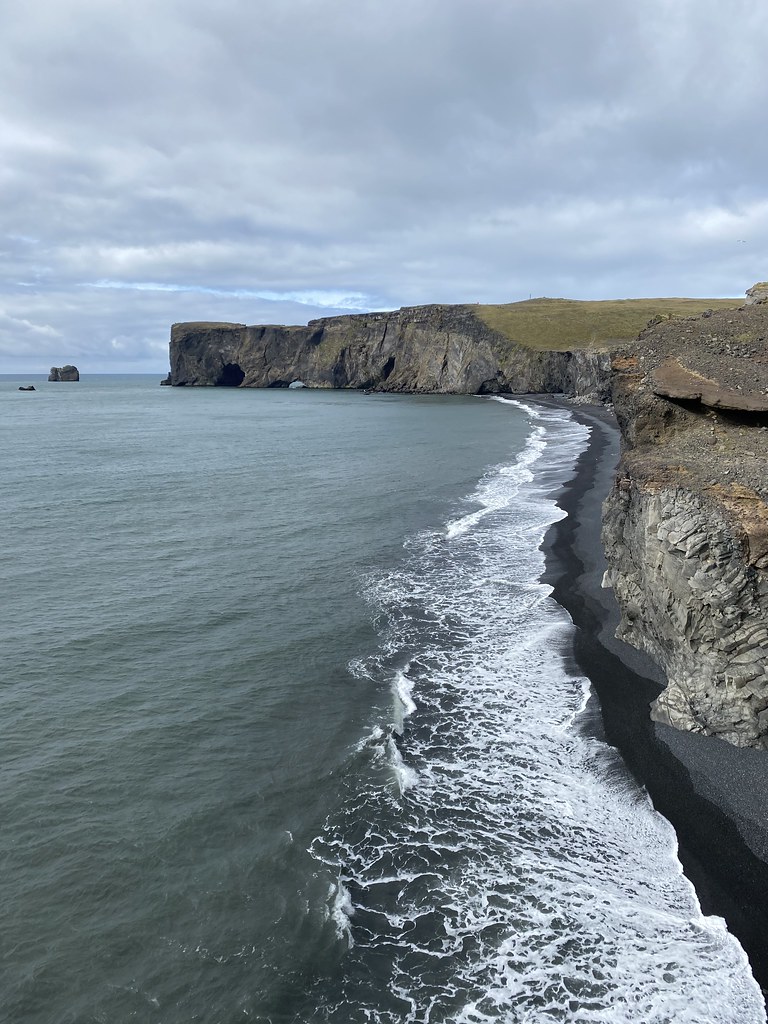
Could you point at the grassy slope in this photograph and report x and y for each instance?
(562, 324)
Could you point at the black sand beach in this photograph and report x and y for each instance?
(715, 795)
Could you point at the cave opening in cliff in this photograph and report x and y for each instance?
(388, 367)
(231, 376)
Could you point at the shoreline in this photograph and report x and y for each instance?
(714, 795)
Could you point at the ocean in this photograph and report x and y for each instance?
(290, 733)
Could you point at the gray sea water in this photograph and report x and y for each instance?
(287, 732)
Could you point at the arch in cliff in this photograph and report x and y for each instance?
(231, 376)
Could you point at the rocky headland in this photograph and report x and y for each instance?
(686, 523)
(445, 349)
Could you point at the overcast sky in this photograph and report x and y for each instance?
(270, 161)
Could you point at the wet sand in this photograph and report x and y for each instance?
(715, 795)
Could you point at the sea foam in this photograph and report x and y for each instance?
(516, 873)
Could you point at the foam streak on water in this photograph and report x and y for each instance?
(501, 864)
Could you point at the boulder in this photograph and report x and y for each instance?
(757, 293)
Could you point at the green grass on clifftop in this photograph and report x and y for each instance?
(562, 324)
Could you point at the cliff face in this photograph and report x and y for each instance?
(686, 524)
(444, 349)
(694, 599)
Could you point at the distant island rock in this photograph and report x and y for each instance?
(757, 293)
(29, 387)
(67, 372)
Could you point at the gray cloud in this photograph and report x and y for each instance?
(289, 159)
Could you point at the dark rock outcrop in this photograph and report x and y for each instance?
(64, 373)
(29, 387)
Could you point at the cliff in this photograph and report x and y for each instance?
(686, 523)
(420, 349)
(536, 346)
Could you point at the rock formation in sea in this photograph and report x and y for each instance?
(65, 373)
(686, 524)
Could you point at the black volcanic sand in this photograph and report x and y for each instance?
(715, 795)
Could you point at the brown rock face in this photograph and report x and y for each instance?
(673, 380)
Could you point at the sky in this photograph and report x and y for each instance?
(272, 161)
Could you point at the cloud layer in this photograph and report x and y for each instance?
(278, 161)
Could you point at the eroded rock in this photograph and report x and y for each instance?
(673, 380)
(445, 349)
(64, 373)
(693, 599)
(757, 293)
(686, 526)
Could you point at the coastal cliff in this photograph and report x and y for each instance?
(542, 345)
(686, 523)
(445, 349)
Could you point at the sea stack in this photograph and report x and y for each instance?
(67, 372)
